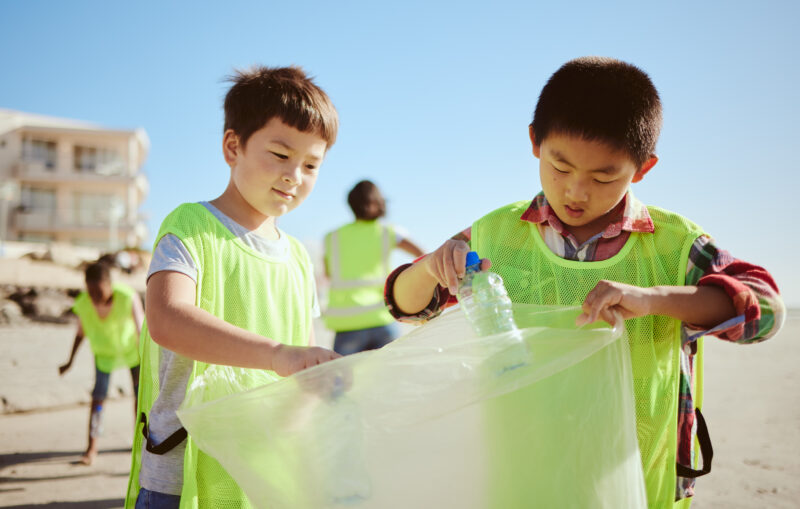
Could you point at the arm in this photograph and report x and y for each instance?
(78, 339)
(410, 248)
(178, 325)
(415, 286)
(704, 306)
(720, 287)
(752, 290)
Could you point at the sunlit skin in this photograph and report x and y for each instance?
(585, 181)
(271, 174)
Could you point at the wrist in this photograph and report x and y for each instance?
(273, 351)
(655, 296)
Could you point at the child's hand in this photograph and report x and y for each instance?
(447, 264)
(609, 298)
(287, 359)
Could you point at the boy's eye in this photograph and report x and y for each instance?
(560, 171)
(311, 168)
(603, 182)
(279, 155)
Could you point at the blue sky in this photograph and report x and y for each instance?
(435, 99)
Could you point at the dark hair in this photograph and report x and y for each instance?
(601, 99)
(97, 272)
(261, 93)
(366, 201)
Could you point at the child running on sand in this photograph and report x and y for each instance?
(110, 315)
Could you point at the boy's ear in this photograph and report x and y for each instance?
(230, 147)
(536, 146)
(647, 166)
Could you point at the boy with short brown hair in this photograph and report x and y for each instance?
(226, 285)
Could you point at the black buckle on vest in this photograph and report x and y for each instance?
(705, 449)
(167, 445)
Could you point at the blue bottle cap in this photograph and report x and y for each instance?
(473, 259)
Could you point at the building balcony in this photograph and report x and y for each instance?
(53, 221)
(41, 171)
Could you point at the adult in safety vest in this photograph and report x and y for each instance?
(111, 316)
(357, 263)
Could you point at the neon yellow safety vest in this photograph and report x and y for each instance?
(271, 297)
(534, 274)
(112, 338)
(357, 257)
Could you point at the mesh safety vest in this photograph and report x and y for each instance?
(112, 338)
(270, 297)
(534, 274)
(357, 257)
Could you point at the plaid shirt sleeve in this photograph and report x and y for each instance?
(440, 301)
(751, 288)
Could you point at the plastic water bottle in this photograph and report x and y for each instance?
(488, 308)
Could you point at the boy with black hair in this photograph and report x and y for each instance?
(585, 240)
(357, 263)
(110, 315)
(227, 286)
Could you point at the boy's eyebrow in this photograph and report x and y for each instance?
(558, 156)
(282, 144)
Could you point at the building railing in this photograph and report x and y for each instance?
(41, 170)
(43, 219)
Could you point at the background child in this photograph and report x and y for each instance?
(110, 315)
(226, 285)
(357, 263)
(594, 132)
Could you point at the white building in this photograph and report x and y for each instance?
(66, 181)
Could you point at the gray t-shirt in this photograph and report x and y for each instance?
(164, 473)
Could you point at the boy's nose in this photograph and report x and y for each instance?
(293, 176)
(577, 191)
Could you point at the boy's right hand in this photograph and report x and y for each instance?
(288, 359)
(448, 263)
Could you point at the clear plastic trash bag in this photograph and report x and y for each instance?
(438, 418)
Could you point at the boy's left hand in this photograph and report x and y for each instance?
(608, 298)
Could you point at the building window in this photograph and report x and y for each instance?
(102, 161)
(39, 151)
(93, 209)
(85, 158)
(38, 200)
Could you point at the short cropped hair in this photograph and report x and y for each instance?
(601, 99)
(260, 93)
(366, 201)
(97, 272)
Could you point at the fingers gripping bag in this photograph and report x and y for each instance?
(437, 419)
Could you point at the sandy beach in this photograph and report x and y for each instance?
(752, 396)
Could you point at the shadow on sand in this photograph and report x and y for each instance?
(20, 458)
